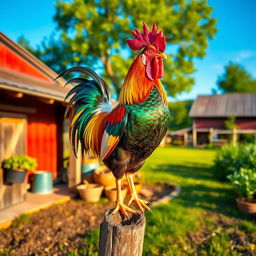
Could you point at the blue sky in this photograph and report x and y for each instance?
(235, 40)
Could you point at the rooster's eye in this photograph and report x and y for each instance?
(149, 51)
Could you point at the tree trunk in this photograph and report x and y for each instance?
(110, 72)
(122, 237)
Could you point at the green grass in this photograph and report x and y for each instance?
(21, 220)
(202, 219)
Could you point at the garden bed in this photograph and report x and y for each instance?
(61, 228)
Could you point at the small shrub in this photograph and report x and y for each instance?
(225, 161)
(177, 142)
(244, 181)
(20, 162)
(247, 156)
(230, 159)
(21, 220)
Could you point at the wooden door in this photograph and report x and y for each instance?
(12, 142)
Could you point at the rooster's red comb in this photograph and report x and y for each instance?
(147, 37)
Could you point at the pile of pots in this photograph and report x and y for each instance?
(101, 179)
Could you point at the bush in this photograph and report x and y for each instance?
(230, 159)
(177, 142)
(244, 181)
(225, 161)
(20, 162)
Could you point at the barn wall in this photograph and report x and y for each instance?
(219, 123)
(13, 142)
(246, 123)
(42, 137)
(44, 126)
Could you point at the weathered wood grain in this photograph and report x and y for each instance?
(122, 237)
(13, 142)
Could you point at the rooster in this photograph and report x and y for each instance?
(123, 137)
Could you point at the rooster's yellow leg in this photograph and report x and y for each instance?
(119, 204)
(142, 204)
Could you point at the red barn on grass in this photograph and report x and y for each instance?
(31, 114)
(210, 113)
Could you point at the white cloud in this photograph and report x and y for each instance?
(244, 55)
(217, 67)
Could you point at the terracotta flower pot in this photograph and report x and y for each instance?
(244, 206)
(138, 186)
(102, 175)
(111, 193)
(90, 192)
(138, 180)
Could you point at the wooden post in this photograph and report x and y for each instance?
(74, 170)
(234, 137)
(211, 136)
(194, 137)
(120, 236)
(185, 139)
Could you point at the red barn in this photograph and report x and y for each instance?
(210, 113)
(31, 113)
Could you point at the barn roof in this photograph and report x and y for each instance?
(20, 71)
(236, 104)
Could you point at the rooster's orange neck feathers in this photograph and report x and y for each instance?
(137, 87)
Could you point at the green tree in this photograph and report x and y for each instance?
(236, 79)
(53, 52)
(179, 114)
(25, 43)
(97, 31)
(230, 123)
(93, 33)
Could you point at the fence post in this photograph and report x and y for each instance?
(122, 237)
(234, 137)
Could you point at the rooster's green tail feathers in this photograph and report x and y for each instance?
(86, 99)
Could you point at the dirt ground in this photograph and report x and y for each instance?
(61, 228)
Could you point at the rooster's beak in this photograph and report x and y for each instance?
(161, 55)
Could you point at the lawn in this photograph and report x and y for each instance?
(202, 220)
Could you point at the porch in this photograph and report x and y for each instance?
(34, 202)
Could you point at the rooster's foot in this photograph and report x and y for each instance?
(120, 206)
(142, 204)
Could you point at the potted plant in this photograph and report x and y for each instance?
(244, 181)
(90, 192)
(16, 167)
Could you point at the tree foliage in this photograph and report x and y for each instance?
(97, 31)
(52, 52)
(179, 114)
(236, 79)
(93, 33)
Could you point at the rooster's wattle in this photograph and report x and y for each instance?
(123, 137)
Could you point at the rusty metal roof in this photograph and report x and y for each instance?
(224, 105)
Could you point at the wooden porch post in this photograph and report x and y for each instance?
(74, 170)
(185, 139)
(234, 137)
(194, 137)
(211, 136)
